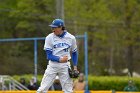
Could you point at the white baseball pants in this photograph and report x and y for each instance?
(49, 77)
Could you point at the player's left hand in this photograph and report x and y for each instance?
(75, 68)
(75, 73)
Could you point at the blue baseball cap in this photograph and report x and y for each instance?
(57, 23)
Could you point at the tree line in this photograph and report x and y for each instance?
(112, 27)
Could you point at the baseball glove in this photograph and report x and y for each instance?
(73, 73)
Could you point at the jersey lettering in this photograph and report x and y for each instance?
(60, 45)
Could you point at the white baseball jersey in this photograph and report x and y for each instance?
(61, 46)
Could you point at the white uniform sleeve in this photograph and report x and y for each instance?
(48, 43)
(74, 45)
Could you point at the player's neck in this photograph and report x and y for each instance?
(62, 34)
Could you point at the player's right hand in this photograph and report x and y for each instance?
(64, 59)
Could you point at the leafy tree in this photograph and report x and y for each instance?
(112, 26)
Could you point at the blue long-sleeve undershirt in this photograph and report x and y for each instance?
(75, 58)
(54, 58)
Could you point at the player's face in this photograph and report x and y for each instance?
(57, 30)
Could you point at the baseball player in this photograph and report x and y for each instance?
(59, 45)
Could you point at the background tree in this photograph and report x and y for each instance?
(112, 26)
